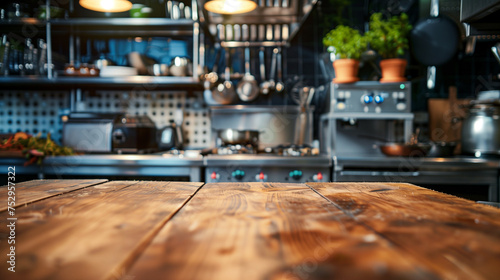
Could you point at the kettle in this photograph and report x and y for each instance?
(481, 129)
(170, 137)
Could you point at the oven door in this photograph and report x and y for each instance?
(466, 182)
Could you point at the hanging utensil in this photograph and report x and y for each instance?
(224, 93)
(269, 32)
(495, 50)
(248, 89)
(237, 32)
(262, 32)
(264, 86)
(280, 86)
(253, 32)
(434, 41)
(272, 83)
(245, 32)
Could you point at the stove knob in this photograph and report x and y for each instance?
(318, 177)
(238, 174)
(296, 174)
(378, 99)
(214, 176)
(367, 98)
(261, 177)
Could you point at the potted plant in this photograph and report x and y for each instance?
(347, 44)
(389, 37)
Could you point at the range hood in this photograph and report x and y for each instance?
(481, 16)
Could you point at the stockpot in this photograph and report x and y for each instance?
(481, 129)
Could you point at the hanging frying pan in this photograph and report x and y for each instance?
(434, 41)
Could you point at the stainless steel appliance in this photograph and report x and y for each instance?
(238, 163)
(364, 114)
(277, 125)
(169, 166)
(466, 177)
(481, 129)
(109, 132)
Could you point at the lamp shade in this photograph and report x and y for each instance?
(111, 6)
(230, 7)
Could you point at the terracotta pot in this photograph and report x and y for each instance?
(346, 71)
(393, 70)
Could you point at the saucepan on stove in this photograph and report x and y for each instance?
(231, 136)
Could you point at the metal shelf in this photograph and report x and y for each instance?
(294, 15)
(123, 22)
(149, 82)
(124, 26)
(238, 44)
(22, 21)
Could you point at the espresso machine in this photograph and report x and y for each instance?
(363, 115)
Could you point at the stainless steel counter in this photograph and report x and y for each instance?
(473, 178)
(421, 163)
(151, 165)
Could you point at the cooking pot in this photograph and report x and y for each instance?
(481, 129)
(241, 137)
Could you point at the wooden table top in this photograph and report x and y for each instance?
(98, 229)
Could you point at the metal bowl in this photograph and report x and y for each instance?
(242, 137)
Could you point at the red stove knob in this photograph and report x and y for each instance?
(260, 176)
(318, 177)
(214, 175)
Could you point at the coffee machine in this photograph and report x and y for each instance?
(363, 115)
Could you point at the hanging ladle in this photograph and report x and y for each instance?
(224, 92)
(280, 86)
(248, 89)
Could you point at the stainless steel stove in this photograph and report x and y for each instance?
(279, 164)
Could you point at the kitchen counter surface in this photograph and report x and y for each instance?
(99, 229)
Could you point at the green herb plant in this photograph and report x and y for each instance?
(389, 37)
(345, 42)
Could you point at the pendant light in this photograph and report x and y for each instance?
(230, 7)
(110, 6)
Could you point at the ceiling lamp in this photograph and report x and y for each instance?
(230, 7)
(110, 6)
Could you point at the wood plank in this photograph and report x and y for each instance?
(457, 238)
(31, 191)
(91, 233)
(269, 231)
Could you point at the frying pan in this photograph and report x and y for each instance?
(405, 150)
(434, 41)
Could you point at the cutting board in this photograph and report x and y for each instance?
(446, 116)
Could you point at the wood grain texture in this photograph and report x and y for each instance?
(269, 231)
(31, 191)
(457, 238)
(91, 233)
